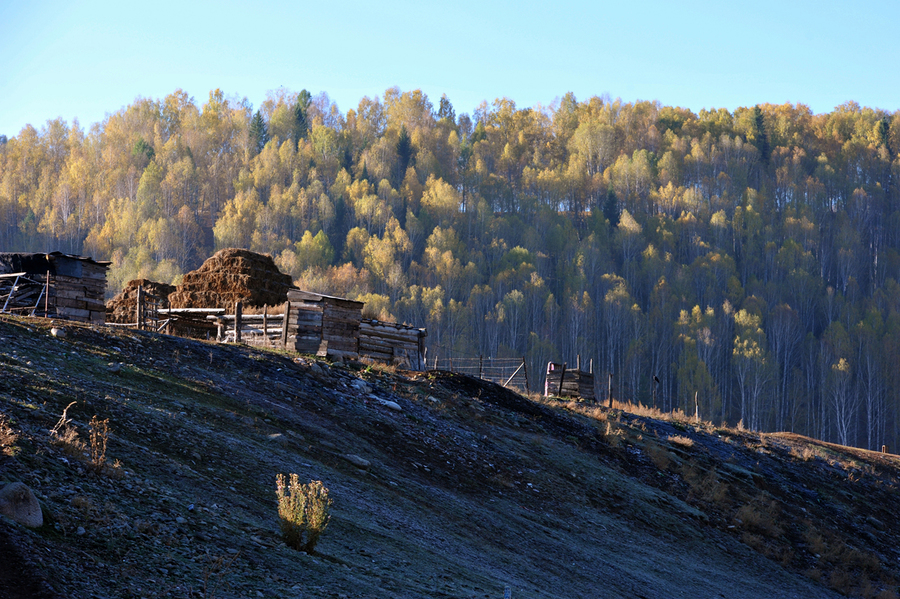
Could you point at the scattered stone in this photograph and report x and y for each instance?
(80, 531)
(180, 520)
(391, 405)
(361, 386)
(280, 439)
(58, 333)
(433, 399)
(357, 461)
(114, 367)
(19, 504)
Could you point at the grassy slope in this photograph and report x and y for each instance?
(470, 487)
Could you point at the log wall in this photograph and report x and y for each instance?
(575, 383)
(393, 343)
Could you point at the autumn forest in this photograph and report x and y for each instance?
(749, 259)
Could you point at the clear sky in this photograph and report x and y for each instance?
(84, 59)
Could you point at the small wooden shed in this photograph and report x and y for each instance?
(322, 324)
(563, 381)
(54, 285)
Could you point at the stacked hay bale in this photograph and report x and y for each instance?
(122, 308)
(229, 276)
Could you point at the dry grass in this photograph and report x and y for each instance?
(99, 433)
(760, 516)
(8, 437)
(65, 435)
(705, 486)
(804, 452)
(93, 455)
(681, 440)
(613, 434)
(659, 455)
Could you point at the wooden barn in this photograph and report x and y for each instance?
(54, 285)
(322, 324)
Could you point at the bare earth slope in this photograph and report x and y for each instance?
(470, 488)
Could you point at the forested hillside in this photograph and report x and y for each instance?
(750, 258)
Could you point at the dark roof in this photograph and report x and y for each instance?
(309, 296)
(37, 264)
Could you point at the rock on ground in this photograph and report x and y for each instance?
(18, 503)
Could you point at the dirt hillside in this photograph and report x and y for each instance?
(443, 485)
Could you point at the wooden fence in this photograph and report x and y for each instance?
(303, 325)
(508, 372)
(24, 294)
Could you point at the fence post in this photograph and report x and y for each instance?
(266, 325)
(525, 370)
(562, 377)
(47, 298)
(284, 323)
(139, 308)
(238, 309)
(481, 367)
(610, 391)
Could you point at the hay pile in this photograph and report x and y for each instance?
(122, 308)
(231, 275)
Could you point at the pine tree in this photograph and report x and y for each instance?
(611, 209)
(259, 132)
(762, 140)
(404, 150)
(301, 120)
(445, 110)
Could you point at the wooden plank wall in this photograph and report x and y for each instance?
(392, 343)
(340, 328)
(575, 383)
(76, 298)
(334, 327)
(305, 326)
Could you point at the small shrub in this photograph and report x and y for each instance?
(303, 510)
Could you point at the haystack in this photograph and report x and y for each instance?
(122, 307)
(232, 275)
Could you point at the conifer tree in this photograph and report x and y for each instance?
(259, 132)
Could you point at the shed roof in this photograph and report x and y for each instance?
(309, 296)
(38, 264)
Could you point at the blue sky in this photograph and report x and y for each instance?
(86, 59)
